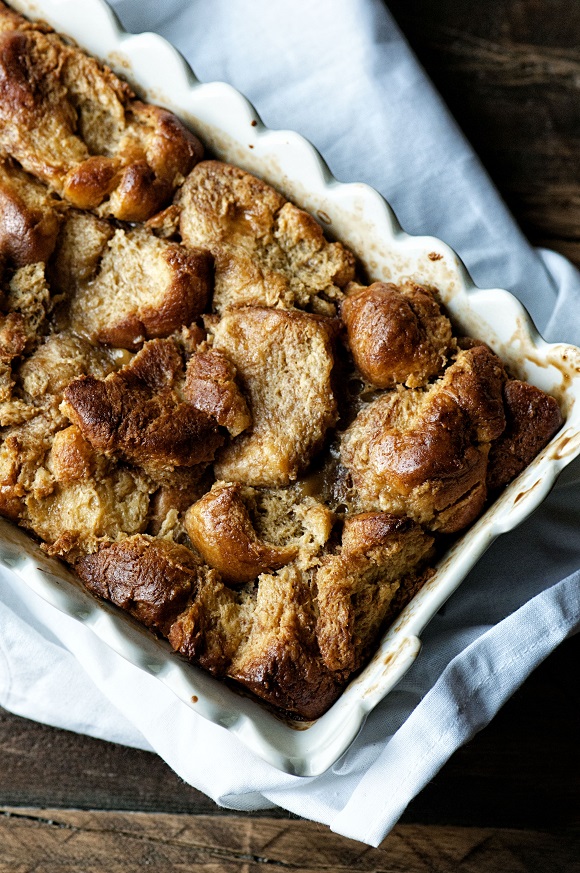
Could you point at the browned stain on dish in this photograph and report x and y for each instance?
(194, 698)
(434, 256)
(525, 493)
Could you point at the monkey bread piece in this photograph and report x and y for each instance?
(533, 418)
(137, 413)
(284, 361)
(210, 385)
(69, 121)
(424, 453)
(279, 660)
(144, 288)
(396, 334)
(29, 218)
(267, 251)
(357, 585)
(220, 527)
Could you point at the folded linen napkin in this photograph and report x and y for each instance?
(339, 72)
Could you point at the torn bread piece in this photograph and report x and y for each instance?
(69, 121)
(267, 251)
(284, 361)
(220, 527)
(210, 385)
(143, 287)
(425, 453)
(138, 414)
(357, 585)
(533, 418)
(29, 218)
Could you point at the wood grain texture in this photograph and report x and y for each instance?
(510, 73)
(56, 840)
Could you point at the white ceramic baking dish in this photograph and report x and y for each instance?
(359, 217)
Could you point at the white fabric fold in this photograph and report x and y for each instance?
(339, 72)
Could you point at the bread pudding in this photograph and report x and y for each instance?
(207, 409)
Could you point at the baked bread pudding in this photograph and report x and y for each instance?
(206, 408)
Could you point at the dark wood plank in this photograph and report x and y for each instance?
(510, 74)
(522, 771)
(56, 840)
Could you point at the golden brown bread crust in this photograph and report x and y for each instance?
(69, 121)
(137, 414)
(425, 453)
(220, 527)
(284, 361)
(29, 218)
(279, 660)
(267, 251)
(152, 579)
(210, 385)
(533, 418)
(396, 333)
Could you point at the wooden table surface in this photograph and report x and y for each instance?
(510, 799)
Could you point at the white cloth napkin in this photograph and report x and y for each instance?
(339, 72)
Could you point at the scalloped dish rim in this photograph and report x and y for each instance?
(358, 216)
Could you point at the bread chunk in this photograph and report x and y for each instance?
(137, 413)
(69, 121)
(220, 527)
(280, 660)
(80, 246)
(26, 302)
(29, 295)
(144, 287)
(396, 334)
(284, 361)
(357, 585)
(424, 453)
(267, 251)
(59, 359)
(29, 218)
(167, 587)
(533, 418)
(150, 578)
(210, 385)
